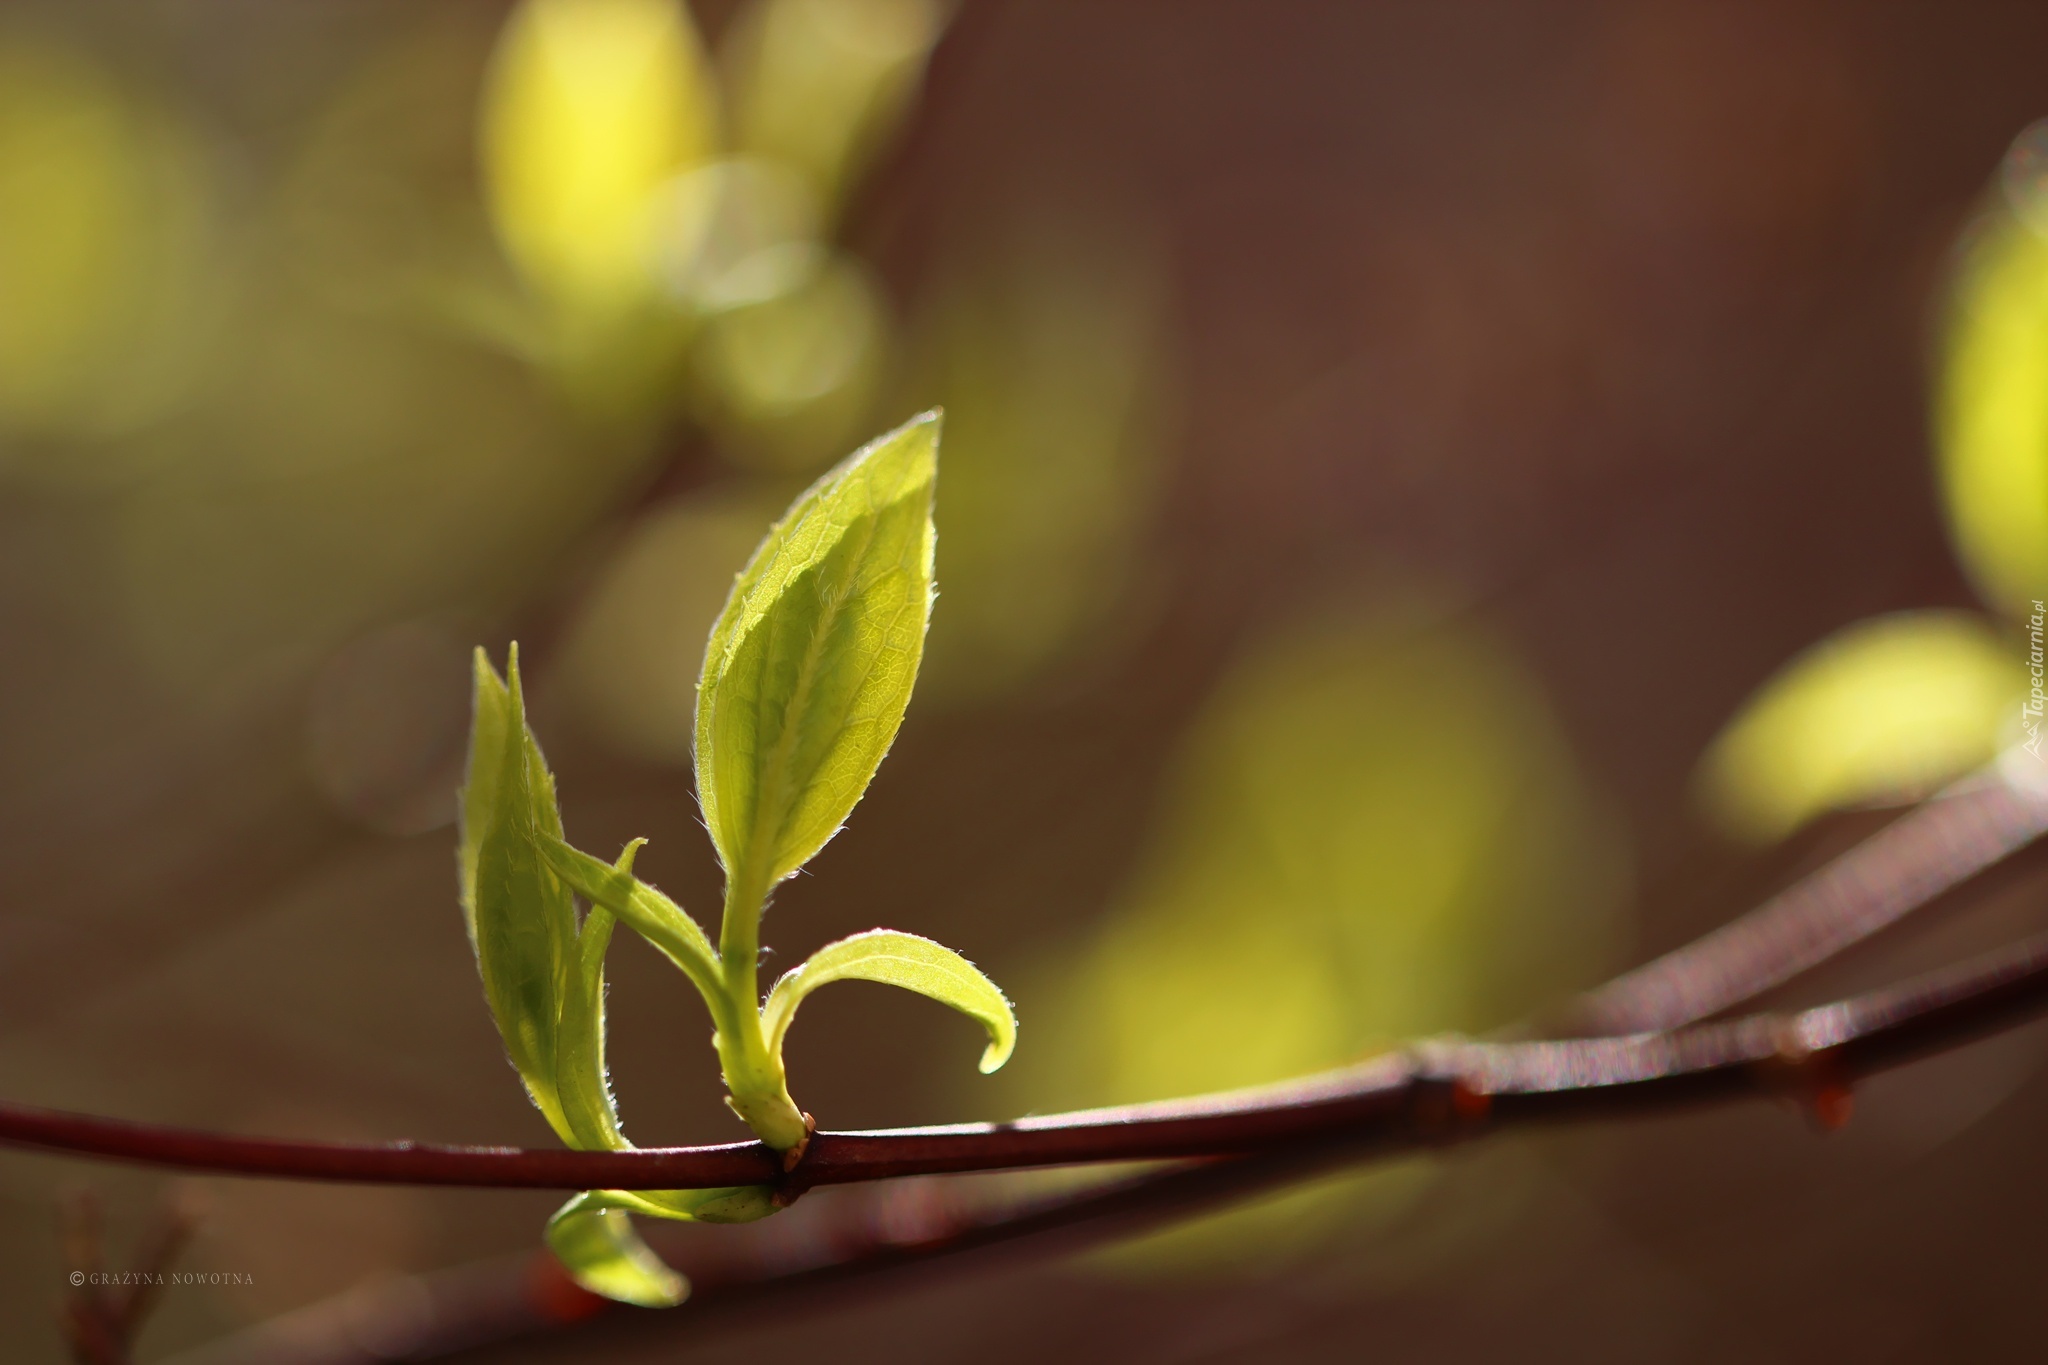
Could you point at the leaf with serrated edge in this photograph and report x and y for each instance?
(522, 920)
(811, 664)
(898, 959)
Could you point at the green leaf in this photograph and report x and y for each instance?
(1881, 712)
(651, 914)
(897, 959)
(522, 920)
(594, 1239)
(596, 1244)
(1991, 411)
(585, 1089)
(811, 664)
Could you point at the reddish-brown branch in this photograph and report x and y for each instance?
(1237, 1144)
(1943, 842)
(1927, 852)
(907, 1225)
(1433, 1090)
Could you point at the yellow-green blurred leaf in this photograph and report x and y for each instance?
(810, 666)
(1991, 411)
(104, 227)
(818, 84)
(1374, 832)
(742, 231)
(789, 377)
(630, 663)
(1046, 348)
(591, 108)
(1883, 711)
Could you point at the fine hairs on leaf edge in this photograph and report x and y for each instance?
(807, 675)
(869, 521)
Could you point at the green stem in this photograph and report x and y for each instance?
(758, 1088)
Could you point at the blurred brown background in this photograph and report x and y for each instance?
(1467, 404)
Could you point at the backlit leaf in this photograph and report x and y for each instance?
(597, 1245)
(1882, 712)
(654, 916)
(580, 1074)
(522, 921)
(1374, 830)
(591, 107)
(818, 84)
(1992, 413)
(811, 664)
(898, 959)
(594, 1239)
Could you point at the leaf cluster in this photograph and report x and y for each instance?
(806, 677)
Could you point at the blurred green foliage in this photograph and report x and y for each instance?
(591, 108)
(106, 229)
(817, 85)
(629, 665)
(1887, 710)
(1879, 713)
(391, 373)
(1047, 348)
(1992, 413)
(1375, 831)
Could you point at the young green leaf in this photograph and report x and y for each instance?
(522, 921)
(580, 1075)
(594, 1239)
(896, 959)
(654, 916)
(597, 1245)
(810, 666)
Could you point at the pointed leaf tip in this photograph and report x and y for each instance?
(521, 919)
(810, 667)
(596, 1244)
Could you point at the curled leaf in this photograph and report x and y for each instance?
(811, 663)
(593, 1237)
(596, 1244)
(898, 959)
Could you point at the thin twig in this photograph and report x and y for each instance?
(1934, 848)
(906, 1224)
(1943, 842)
(1456, 1091)
(1508, 1082)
